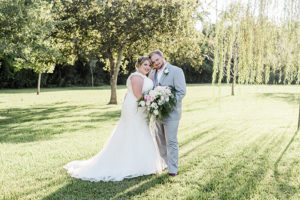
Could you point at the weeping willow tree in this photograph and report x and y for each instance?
(226, 48)
(253, 47)
(250, 46)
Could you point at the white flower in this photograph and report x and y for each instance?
(162, 98)
(152, 93)
(160, 89)
(154, 105)
(148, 103)
(167, 99)
(168, 91)
(166, 71)
(155, 112)
(142, 103)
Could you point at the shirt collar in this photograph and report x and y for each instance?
(162, 69)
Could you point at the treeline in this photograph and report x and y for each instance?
(80, 75)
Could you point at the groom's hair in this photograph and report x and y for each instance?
(158, 52)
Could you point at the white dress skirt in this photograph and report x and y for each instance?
(130, 151)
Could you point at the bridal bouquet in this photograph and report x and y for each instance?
(158, 102)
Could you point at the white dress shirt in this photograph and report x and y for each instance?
(160, 72)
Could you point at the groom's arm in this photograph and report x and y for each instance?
(179, 84)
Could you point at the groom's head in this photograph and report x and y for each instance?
(157, 59)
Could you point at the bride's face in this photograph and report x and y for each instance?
(145, 67)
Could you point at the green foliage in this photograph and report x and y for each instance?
(10, 77)
(13, 15)
(106, 28)
(114, 31)
(27, 37)
(79, 75)
(45, 34)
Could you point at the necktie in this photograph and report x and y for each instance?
(155, 79)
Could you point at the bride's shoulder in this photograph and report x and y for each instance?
(137, 74)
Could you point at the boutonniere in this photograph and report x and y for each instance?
(166, 71)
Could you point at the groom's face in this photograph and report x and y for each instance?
(157, 61)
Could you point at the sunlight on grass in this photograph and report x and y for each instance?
(231, 147)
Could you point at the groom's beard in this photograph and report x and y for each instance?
(160, 66)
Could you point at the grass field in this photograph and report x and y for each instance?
(241, 147)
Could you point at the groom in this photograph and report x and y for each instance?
(166, 131)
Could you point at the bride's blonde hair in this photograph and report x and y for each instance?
(141, 60)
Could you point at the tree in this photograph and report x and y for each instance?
(261, 46)
(13, 16)
(27, 38)
(112, 29)
(92, 66)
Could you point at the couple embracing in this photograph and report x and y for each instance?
(134, 149)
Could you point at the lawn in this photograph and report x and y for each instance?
(231, 147)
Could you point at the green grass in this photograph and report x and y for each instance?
(241, 147)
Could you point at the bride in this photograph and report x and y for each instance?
(130, 151)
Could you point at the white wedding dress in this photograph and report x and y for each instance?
(129, 152)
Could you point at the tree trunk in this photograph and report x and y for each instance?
(92, 64)
(235, 69)
(232, 87)
(299, 119)
(92, 74)
(92, 79)
(39, 84)
(114, 72)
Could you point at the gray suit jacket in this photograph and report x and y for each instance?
(175, 78)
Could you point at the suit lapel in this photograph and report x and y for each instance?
(163, 76)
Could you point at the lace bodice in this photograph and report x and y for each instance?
(148, 83)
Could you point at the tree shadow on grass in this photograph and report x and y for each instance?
(237, 181)
(78, 189)
(232, 185)
(286, 189)
(132, 188)
(113, 190)
(221, 184)
(292, 98)
(126, 189)
(42, 122)
(196, 137)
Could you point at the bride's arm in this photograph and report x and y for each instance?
(137, 86)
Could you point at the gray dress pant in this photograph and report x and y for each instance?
(166, 138)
